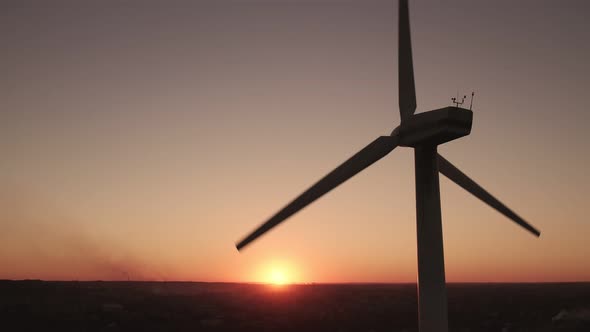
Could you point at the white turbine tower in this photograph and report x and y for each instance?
(423, 132)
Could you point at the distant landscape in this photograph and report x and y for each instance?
(34, 305)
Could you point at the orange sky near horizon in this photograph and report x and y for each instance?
(142, 141)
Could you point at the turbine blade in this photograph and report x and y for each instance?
(455, 175)
(378, 149)
(407, 89)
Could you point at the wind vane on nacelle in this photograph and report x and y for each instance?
(459, 103)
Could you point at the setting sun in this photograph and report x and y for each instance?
(278, 277)
(278, 272)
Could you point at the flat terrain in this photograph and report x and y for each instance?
(177, 306)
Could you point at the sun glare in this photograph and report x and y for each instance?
(278, 277)
(278, 273)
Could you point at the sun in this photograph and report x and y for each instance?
(278, 273)
(278, 277)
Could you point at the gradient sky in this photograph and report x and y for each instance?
(143, 139)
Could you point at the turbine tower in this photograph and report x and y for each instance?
(423, 132)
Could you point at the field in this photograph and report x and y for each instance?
(178, 306)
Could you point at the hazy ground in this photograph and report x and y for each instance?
(172, 306)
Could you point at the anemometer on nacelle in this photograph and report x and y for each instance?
(458, 103)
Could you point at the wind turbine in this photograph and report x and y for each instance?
(423, 132)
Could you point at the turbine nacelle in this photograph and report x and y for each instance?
(434, 127)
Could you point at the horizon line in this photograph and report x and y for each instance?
(293, 283)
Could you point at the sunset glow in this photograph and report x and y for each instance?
(278, 277)
(277, 272)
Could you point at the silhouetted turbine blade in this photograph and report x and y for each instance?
(455, 175)
(378, 149)
(407, 89)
